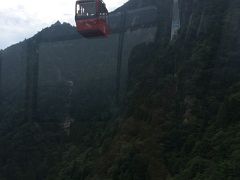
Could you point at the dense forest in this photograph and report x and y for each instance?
(179, 119)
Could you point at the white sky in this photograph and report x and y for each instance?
(20, 19)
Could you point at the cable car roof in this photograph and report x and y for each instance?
(88, 1)
(83, 1)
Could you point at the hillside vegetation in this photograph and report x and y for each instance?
(178, 121)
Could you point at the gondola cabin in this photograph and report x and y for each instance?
(91, 18)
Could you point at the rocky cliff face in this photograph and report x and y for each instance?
(187, 97)
(178, 119)
(77, 84)
(91, 65)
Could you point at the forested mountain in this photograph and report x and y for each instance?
(179, 119)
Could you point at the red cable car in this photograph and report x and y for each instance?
(91, 18)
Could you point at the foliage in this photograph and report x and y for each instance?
(180, 118)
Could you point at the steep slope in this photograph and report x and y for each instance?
(40, 148)
(179, 119)
(182, 105)
(183, 102)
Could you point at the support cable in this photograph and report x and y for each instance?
(120, 55)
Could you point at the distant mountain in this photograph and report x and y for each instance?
(59, 31)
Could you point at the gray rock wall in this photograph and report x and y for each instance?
(85, 69)
(13, 77)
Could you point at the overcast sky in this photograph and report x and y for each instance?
(20, 19)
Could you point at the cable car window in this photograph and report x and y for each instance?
(86, 9)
